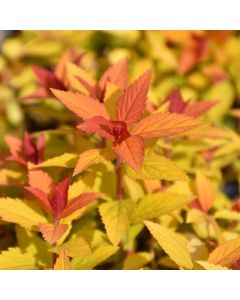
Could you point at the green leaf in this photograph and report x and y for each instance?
(174, 244)
(116, 216)
(155, 205)
(158, 167)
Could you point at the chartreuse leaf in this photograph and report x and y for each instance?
(158, 167)
(66, 160)
(95, 258)
(116, 218)
(226, 253)
(174, 244)
(76, 247)
(15, 259)
(154, 205)
(132, 188)
(136, 261)
(208, 266)
(62, 262)
(20, 212)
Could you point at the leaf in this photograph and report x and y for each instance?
(97, 257)
(164, 125)
(83, 106)
(131, 151)
(15, 259)
(19, 212)
(132, 103)
(79, 203)
(208, 266)
(111, 98)
(158, 167)
(89, 158)
(66, 160)
(62, 262)
(14, 144)
(52, 233)
(35, 177)
(174, 244)
(77, 247)
(136, 261)
(154, 205)
(116, 74)
(177, 105)
(198, 109)
(116, 216)
(226, 254)
(60, 196)
(206, 192)
(41, 198)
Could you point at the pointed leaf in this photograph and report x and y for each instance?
(15, 259)
(131, 151)
(66, 160)
(14, 144)
(19, 212)
(206, 192)
(52, 233)
(158, 167)
(116, 216)
(36, 176)
(165, 124)
(79, 203)
(208, 266)
(83, 106)
(41, 197)
(76, 247)
(132, 103)
(174, 244)
(60, 196)
(177, 105)
(63, 261)
(226, 254)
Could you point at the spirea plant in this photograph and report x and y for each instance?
(114, 171)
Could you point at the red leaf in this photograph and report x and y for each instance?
(177, 105)
(41, 148)
(18, 160)
(196, 110)
(79, 203)
(47, 78)
(131, 150)
(60, 196)
(52, 233)
(14, 144)
(83, 106)
(132, 103)
(165, 124)
(29, 149)
(41, 198)
(116, 74)
(98, 125)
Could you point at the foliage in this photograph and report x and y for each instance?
(120, 150)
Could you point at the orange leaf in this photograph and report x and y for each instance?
(79, 203)
(63, 261)
(196, 110)
(132, 103)
(226, 254)
(131, 150)
(83, 106)
(39, 178)
(165, 124)
(14, 144)
(52, 233)
(117, 74)
(41, 198)
(206, 192)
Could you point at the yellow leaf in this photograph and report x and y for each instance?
(20, 212)
(62, 262)
(66, 160)
(111, 98)
(158, 167)
(116, 216)
(91, 157)
(208, 266)
(174, 244)
(195, 216)
(76, 247)
(136, 261)
(8, 177)
(132, 188)
(226, 253)
(154, 205)
(95, 258)
(15, 259)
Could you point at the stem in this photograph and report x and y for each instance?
(55, 255)
(118, 172)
